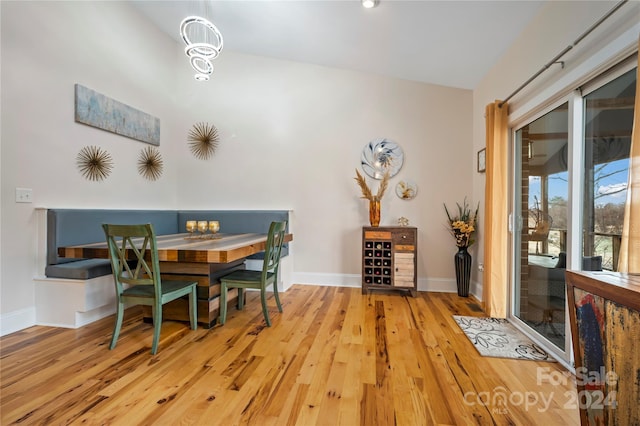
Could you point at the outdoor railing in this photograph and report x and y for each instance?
(607, 245)
(603, 244)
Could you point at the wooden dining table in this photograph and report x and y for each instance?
(187, 257)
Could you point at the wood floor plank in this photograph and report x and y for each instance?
(300, 395)
(333, 357)
(352, 390)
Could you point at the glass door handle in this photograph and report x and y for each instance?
(518, 222)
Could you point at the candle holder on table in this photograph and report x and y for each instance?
(202, 226)
(192, 225)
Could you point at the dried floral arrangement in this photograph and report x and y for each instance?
(462, 225)
(94, 163)
(150, 163)
(366, 191)
(203, 139)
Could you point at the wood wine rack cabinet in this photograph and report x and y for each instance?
(389, 258)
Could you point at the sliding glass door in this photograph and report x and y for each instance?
(571, 167)
(607, 133)
(541, 205)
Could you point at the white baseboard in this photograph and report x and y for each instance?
(17, 320)
(329, 280)
(84, 302)
(84, 318)
(440, 285)
(73, 303)
(476, 290)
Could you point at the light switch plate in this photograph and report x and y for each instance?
(24, 195)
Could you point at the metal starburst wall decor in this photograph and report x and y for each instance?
(94, 163)
(203, 140)
(150, 163)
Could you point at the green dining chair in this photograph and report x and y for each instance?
(134, 261)
(257, 279)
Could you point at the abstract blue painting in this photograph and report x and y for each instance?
(98, 110)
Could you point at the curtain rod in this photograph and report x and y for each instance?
(564, 51)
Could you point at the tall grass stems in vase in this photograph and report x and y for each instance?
(374, 200)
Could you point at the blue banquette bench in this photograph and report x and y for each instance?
(77, 291)
(67, 227)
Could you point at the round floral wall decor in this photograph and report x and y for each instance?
(381, 156)
(406, 190)
(94, 163)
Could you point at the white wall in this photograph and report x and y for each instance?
(47, 47)
(292, 135)
(557, 25)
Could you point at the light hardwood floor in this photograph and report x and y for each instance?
(333, 357)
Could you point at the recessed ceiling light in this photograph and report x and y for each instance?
(369, 4)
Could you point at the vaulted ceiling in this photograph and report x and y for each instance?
(449, 43)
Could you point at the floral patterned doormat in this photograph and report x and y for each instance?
(496, 337)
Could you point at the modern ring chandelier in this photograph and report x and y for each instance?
(206, 48)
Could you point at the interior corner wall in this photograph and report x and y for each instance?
(556, 26)
(48, 47)
(291, 137)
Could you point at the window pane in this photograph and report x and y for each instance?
(608, 124)
(544, 191)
